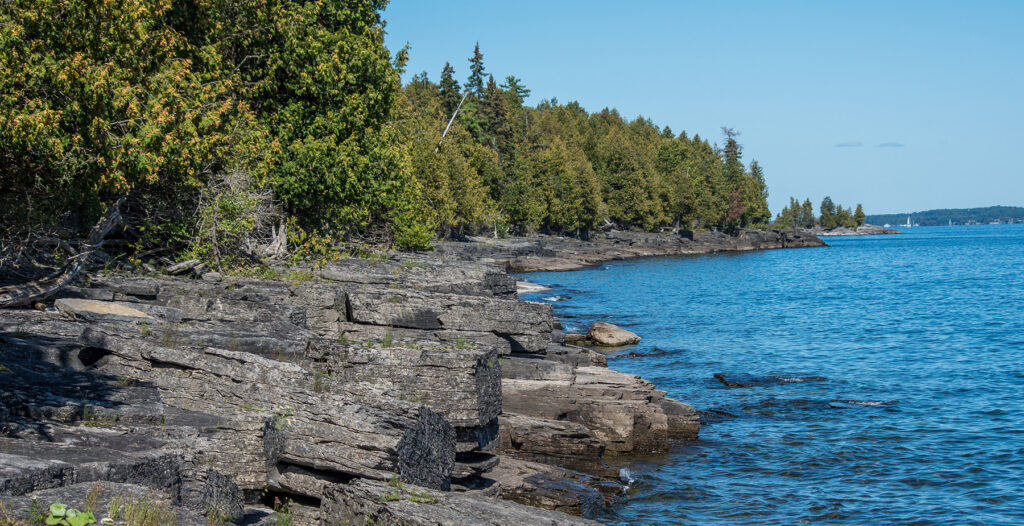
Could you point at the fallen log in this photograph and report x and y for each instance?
(33, 291)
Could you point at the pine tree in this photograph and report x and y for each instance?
(859, 215)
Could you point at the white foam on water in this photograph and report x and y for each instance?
(626, 476)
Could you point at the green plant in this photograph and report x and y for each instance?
(319, 383)
(342, 338)
(92, 498)
(284, 515)
(463, 343)
(298, 275)
(284, 417)
(65, 516)
(91, 419)
(398, 492)
(142, 511)
(169, 337)
(388, 339)
(35, 513)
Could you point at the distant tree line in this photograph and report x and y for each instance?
(830, 215)
(958, 216)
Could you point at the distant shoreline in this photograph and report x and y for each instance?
(863, 230)
(543, 253)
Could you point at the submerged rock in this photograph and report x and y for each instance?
(750, 380)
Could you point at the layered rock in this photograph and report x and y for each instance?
(323, 383)
(373, 502)
(623, 410)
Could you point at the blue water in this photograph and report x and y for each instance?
(919, 416)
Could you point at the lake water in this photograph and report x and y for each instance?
(886, 373)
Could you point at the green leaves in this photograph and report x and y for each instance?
(65, 516)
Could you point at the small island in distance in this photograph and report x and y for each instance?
(998, 215)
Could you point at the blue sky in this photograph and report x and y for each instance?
(901, 106)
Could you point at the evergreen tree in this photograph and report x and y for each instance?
(450, 91)
(516, 89)
(807, 219)
(757, 195)
(859, 216)
(789, 217)
(494, 118)
(475, 82)
(828, 218)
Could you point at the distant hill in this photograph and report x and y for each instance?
(958, 216)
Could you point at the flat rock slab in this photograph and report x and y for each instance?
(19, 510)
(94, 310)
(553, 488)
(373, 502)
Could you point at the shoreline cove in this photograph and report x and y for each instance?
(417, 388)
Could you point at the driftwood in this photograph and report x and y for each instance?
(24, 294)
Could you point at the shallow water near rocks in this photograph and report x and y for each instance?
(882, 378)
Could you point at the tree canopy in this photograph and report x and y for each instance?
(217, 118)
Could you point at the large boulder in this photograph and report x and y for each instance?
(607, 335)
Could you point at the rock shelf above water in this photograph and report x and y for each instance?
(221, 395)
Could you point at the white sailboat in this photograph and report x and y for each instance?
(907, 225)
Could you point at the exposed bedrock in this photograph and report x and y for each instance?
(554, 488)
(333, 428)
(623, 410)
(551, 253)
(321, 388)
(374, 502)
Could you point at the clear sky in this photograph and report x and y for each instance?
(901, 106)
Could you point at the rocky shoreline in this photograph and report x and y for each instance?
(863, 230)
(416, 390)
(551, 253)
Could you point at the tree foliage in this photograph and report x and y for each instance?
(797, 215)
(160, 100)
(558, 168)
(221, 119)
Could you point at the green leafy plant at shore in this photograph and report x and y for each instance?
(62, 515)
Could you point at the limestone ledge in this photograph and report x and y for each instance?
(334, 389)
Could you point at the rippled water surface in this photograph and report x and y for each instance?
(885, 373)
